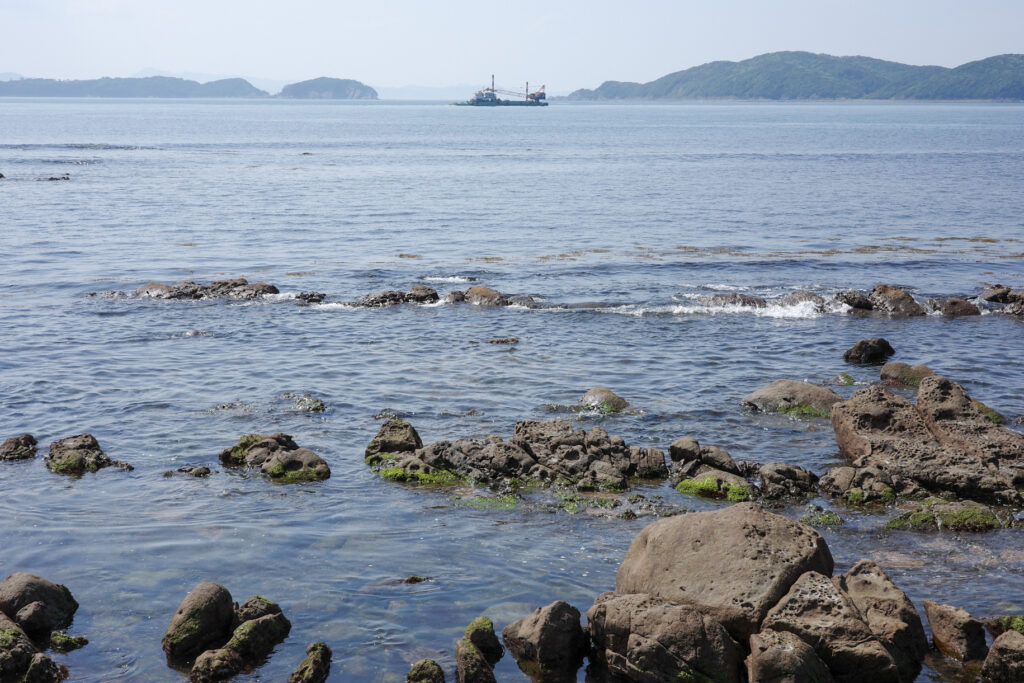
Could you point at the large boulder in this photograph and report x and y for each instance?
(875, 350)
(781, 657)
(643, 638)
(605, 400)
(204, 620)
(37, 605)
(18, 448)
(549, 644)
(827, 619)
(732, 564)
(478, 295)
(393, 437)
(276, 456)
(894, 301)
(1005, 660)
(955, 632)
(79, 454)
(793, 397)
(889, 614)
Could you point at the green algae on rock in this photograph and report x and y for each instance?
(278, 457)
(717, 487)
(77, 455)
(315, 667)
(604, 400)
(937, 514)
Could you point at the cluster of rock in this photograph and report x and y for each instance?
(419, 294)
(958, 635)
(898, 303)
(215, 638)
(237, 288)
(477, 295)
(945, 444)
(73, 455)
(276, 456)
(31, 609)
(540, 453)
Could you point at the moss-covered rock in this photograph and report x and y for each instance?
(819, 517)
(203, 620)
(425, 671)
(717, 486)
(315, 667)
(18, 448)
(480, 632)
(604, 400)
(278, 457)
(394, 437)
(433, 478)
(77, 455)
(994, 416)
(62, 642)
(936, 514)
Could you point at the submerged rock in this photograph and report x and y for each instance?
(732, 299)
(479, 295)
(238, 288)
(278, 457)
(425, 671)
(953, 307)
(79, 454)
(18, 448)
(37, 605)
(956, 633)
(549, 644)
(866, 351)
(936, 514)
(1005, 660)
(796, 298)
(899, 374)
(605, 400)
(894, 301)
(792, 397)
(855, 299)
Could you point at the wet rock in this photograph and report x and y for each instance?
(781, 657)
(953, 307)
(524, 301)
(18, 448)
(899, 374)
(393, 437)
(479, 295)
(421, 294)
(718, 458)
(504, 340)
(310, 297)
(425, 671)
(79, 454)
(605, 400)
(480, 632)
(253, 640)
(277, 456)
(155, 290)
(936, 514)
(42, 669)
(638, 637)
(388, 297)
(255, 607)
(216, 665)
(37, 605)
(315, 667)
(889, 614)
(855, 299)
(818, 516)
(945, 443)
(684, 450)
(999, 294)
(1015, 309)
(997, 626)
(16, 651)
(869, 351)
(62, 642)
(741, 561)
(894, 301)
(470, 664)
(708, 482)
(454, 297)
(549, 644)
(862, 485)
(797, 298)
(780, 480)
(306, 403)
(203, 620)
(1005, 660)
(238, 288)
(956, 633)
(827, 619)
(792, 397)
(732, 299)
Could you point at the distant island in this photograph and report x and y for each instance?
(165, 86)
(807, 76)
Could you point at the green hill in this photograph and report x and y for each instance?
(153, 86)
(329, 89)
(807, 76)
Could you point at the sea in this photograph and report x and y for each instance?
(619, 218)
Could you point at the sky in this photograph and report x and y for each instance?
(565, 44)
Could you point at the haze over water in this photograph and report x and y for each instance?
(637, 209)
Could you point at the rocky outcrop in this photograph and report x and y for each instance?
(548, 645)
(419, 294)
(936, 514)
(238, 288)
(793, 397)
(37, 605)
(393, 438)
(477, 653)
(543, 453)
(721, 300)
(605, 400)
(425, 671)
(897, 374)
(956, 633)
(278, 457)
(18, 448)
(1005, 660)
(866, 351)
(944, 443)
(79, 454)
(894, 301)
(953, 307)
(20, 661)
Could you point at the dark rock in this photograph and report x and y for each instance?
(855, 299)
(16, 651)
(36, 604)
(199, 472)
(732, 299)
(869, 351)
(310, 297)
(278, 457)
(253, 640)
(454, 297)
(889, 614)
(741, 561)
(254, 608)
(480, 632)
(956, 633)
(781, 657)
(203, 620)
(953, 307)
(719, 459)
(549, 645)
(899, 374)
(393, 437)
(797, 298)
(388, 297)
(605, 400)
(1005, 660)
(306, 403)
(504, 340)
(937, 514)
(470, 664)
(79, 454)
(684, 450)
(862, 485)
(18, 448)
(999, 294)
(793, 398)
(894, 301)
(523, 301)
(997, 626)
(779, 480)
(479, 295)
(638, 637)
(42, 669)
(421, 294)
(425, 671)
(238, 288)
(62, 642)
(315, 667)
(216, 665)
(827, 619)
(1016, 308)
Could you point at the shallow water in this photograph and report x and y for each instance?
(639, 209)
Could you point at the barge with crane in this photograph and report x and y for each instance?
(488, 97)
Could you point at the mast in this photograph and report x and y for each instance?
(492, 82)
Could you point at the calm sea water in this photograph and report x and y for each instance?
(638, 208)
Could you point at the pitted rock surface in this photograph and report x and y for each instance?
(238, 288)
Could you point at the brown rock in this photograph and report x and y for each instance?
(793, 397)
(203, 620)
(480, 632)
(548, 645)
(254, 608)
(828, 620)
(479, 295)
(605, 400)
(18, 448)
(869, 351)
(1005, 660)
(16, 651)
(216, 665)
(733, 299)
(643, 638)
(36, 604)
(898, 374)
(470, 664)
(953, 307)
(315, 667)
(955, 632)
(421, 294)
(253, 640)
(894, 301)
(999, 294)
(732, 564)
(684, 450)
(781, 657)
(79, 454)
(42, 669)
(855, 299)
(394, 436)
(862, 485)
(781, 480)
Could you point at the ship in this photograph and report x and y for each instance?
(488, 97)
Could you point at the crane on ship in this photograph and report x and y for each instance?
(526, 94)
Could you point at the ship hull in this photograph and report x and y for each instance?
(501, 103)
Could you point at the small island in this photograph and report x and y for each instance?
(324, 88)
(180, 88)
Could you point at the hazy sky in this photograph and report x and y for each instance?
(566, 44)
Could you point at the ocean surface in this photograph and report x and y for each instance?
(633, 210)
